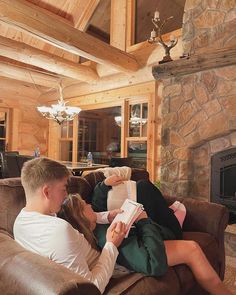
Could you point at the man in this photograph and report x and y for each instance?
(38, 229)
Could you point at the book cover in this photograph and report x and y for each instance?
(131, 210)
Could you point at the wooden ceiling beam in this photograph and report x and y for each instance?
(26, 16)
(33, 77)
(32, 56)
(84, 12)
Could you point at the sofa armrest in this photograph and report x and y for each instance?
(24, 272)
(203, 216)
(211, 218)
(206, 217)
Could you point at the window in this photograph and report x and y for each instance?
(137, 120)
(137, 134)
(3, 129)
(144, 12)
(87, 137)
(99, 133)
(66, 141)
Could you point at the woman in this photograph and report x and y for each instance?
(83, 218)
(147, 194)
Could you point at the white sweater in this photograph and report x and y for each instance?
(56, 239)
(119, 193)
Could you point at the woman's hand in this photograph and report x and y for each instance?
(116, 233)
(112, 214)
(114, 180)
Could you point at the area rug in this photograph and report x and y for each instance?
(230, 259)
(230, 273)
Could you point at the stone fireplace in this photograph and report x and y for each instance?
(198, 110)
(198, 120)
(223, 175)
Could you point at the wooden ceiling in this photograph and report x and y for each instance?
(41, 41)
(34, 58)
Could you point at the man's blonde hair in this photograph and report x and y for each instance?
(40, 171)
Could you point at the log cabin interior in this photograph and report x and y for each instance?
(109, 77)
(159, 96)
(169, 118)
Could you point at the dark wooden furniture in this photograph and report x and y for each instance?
(77, 168)
(12, 163)
(119, 162)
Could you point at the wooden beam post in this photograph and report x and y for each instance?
(27, 17)
(84, 13)
(130, 27)
(118, 24)
(30, 76)
(32, 56)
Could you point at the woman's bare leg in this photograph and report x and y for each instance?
(190, 253)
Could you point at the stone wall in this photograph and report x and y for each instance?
(208, 24)
(196, 112)
(199, 110)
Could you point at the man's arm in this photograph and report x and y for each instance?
(71, 249)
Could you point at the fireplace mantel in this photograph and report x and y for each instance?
(195, 63)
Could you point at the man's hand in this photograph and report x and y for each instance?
(112, 214)
(116, 233)
(114, 180)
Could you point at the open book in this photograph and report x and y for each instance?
(131, 210)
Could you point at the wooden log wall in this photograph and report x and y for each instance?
(27, 128)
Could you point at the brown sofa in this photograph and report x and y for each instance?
(26, 273)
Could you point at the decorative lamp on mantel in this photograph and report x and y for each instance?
(59, 112)
(156, 36)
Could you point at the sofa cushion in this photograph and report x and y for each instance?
(23, 272)
(12, 200)
(145, 285)
(80, 185)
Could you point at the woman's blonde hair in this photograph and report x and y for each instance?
(72, 212)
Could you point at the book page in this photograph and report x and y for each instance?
(131, 210)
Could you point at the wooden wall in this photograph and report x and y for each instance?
(27, 128)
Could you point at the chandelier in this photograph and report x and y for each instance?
(59, 112)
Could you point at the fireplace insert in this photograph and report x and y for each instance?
(223, 180)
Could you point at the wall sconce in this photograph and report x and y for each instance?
(156, 36)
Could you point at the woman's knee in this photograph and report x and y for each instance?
(193, 249)
(194, 246)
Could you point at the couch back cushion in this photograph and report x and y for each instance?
(12, 200)
(12, 195)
